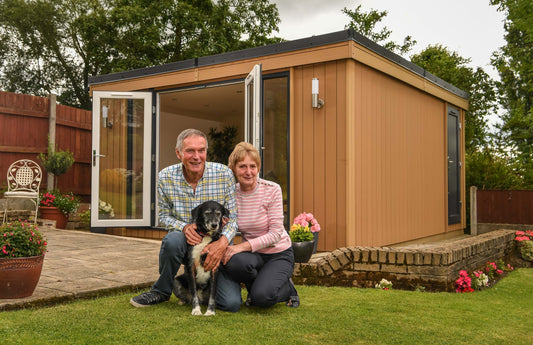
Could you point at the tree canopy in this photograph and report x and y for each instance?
(56, 45)
(514, 62)
(365, 24)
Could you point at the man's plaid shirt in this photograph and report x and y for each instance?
(177, 198)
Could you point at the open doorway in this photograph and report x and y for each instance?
(220, 105)
(202, 108)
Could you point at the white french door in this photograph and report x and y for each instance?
(253, 109)
(121, 159)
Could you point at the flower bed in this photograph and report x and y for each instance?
(482, 278)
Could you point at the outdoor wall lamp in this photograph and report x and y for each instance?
(316, 102)
(105, 123)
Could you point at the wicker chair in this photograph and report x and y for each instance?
(23, 181)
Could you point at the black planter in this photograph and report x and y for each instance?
(303, 251)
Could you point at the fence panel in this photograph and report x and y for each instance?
(505, 206)
(24, 126)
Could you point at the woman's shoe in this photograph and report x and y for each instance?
(294, 300)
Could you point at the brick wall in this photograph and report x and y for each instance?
(435, 268)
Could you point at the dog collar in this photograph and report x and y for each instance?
(201, 233)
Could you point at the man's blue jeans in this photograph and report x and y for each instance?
(171, 256)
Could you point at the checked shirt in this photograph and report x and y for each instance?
(177, 198)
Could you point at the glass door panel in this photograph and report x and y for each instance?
(121, 159)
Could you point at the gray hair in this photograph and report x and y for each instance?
(187, 133)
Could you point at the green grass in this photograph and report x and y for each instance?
(499, 315)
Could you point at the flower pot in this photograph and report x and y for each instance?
(303, 251)
(315, 237)
(19, 276)
(53, 213)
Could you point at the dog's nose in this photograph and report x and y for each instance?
(213, 225)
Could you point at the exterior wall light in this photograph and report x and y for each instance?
(316, 102)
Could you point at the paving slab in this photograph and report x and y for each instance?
(81, 264)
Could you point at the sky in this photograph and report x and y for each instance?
(472, 28)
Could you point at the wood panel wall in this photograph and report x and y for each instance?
(318, 147)
(371, 164)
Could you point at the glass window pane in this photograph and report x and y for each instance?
(121, 142)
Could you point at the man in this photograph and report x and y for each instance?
(182, 187)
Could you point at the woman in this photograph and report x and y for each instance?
(264, 261)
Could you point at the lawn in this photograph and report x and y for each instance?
(499, 315)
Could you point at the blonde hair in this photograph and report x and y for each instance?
(242, 150)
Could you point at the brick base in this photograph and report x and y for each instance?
(435, 268)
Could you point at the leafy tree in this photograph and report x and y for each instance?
(514, 62)
(488, 169)
(56, 45)
(454, 69)
(365, 24)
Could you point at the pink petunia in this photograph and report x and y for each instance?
(522, 238)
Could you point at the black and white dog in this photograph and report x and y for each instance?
(197, 286)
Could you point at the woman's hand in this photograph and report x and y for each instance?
(232, 250)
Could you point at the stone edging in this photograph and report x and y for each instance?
(434, 267)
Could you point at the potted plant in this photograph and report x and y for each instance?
(105, 210)
(58, 206)
(56, 162)
(302, 242)
(222, 144)
(307, 219)
(22, 249)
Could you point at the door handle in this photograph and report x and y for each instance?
(96, 155)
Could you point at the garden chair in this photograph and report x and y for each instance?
(23, 181)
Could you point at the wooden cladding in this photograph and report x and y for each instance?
(371, 164)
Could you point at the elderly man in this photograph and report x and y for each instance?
(182, 187)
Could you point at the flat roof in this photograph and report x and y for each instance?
(272, 49)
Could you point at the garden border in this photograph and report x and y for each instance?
(435, 267)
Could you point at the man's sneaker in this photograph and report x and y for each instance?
(147, 299)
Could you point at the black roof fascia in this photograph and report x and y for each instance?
(304, 43)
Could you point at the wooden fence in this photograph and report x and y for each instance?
(492, 209)
(25, 124)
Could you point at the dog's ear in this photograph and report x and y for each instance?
(194, 213)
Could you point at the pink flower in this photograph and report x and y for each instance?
(4, 250)
(307, 219)
(521, 238)
(499, 271)
(519, 233)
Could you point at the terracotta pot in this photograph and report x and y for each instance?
(303, 251)
(53, 213)
(19, 276)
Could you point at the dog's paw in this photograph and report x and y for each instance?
(209, 312)
(196, 311)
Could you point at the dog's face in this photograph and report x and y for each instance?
(208, 217)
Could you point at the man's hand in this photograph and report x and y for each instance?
(215, 251)
(191, 235)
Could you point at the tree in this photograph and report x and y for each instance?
(55, 45)
(365, 24)
(514, 62)
(451, 67)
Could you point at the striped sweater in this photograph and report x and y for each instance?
(260, 218)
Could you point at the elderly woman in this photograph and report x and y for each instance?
(264, 260)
